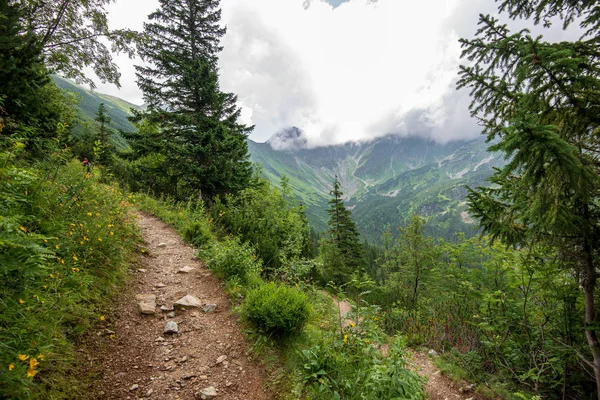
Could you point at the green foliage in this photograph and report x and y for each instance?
(277, 310)
(72, 35)
(342, 252)
(198, 138)
(65, 240)
(351, 367)
(234, 261)
(103, 148)
(539, 100)
(262, 216)
(408, 265)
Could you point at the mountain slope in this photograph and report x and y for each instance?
(384, 180)
(88, 102)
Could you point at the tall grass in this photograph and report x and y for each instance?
(65, 242)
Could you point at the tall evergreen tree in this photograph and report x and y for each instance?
(541, 102)
(103, 136)
(204, 145)
(343, 236)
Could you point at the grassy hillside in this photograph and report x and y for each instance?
(88, 102)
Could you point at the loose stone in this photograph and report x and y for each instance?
(171, 327)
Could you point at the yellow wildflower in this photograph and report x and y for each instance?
(11, 367)
(23, 228)
(31, 373)
(40, 356)
(89, 214)
(21, 301)
(22, 357)
(352, 324)
(99, 239)
(57, 247)
(33, 363)
(75, 258)
(75, 269)
(102, 318)
(112, 233)
(345, 338)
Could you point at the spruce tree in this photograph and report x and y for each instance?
(103, 136)
(540, 102)
(205, 146)
(343, 236)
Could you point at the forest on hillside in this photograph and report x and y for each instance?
(514, 310)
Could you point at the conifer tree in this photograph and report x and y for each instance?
(541, 102)
(204, 144)
(343, 236)
(103, 134)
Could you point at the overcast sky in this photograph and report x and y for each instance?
(340, 70)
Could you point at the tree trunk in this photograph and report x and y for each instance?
(589, 286)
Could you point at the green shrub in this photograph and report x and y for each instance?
(277, 310)
(198, 233)
(233, 261)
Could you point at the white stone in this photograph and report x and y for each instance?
(188, 301)
(221, 359)
(146, 303)
(208, 393)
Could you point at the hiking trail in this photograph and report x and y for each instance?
(136, 359)
(438, 386)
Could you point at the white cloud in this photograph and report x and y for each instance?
(336, 71)
(363, 69)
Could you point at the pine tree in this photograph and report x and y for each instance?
(540, 101)
(344, 238)
(204, 144)
(103, 136)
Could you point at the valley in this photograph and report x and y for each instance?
(384, 180)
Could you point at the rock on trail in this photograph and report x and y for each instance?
(171, 354)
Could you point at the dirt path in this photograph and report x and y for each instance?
(438, 386)
(137, 360)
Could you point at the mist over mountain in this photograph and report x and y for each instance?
(288, 139)
(384, 180)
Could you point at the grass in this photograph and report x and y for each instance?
(65, 242)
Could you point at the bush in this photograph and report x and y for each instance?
(277, 310)
(198, 233)
(233, 261)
